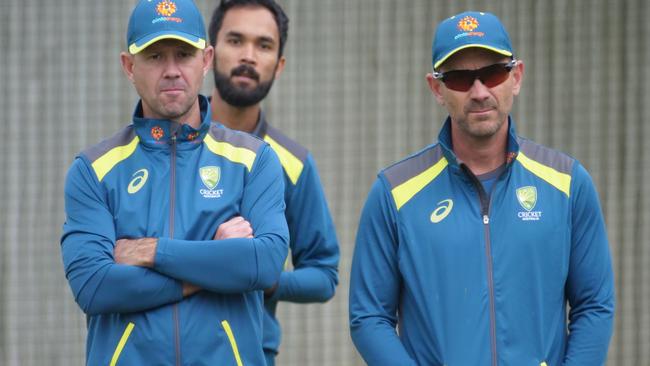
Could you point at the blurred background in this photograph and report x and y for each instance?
(354, 93)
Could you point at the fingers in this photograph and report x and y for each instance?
(237, 227)
(190, 289)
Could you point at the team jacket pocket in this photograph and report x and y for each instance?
(233, 342)
(122, 343)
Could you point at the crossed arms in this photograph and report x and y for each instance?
(101, 273)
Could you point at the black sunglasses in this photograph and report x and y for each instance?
(490, 76)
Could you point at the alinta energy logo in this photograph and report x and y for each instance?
(210, 176)
(138, 181)
(443, 209)
(166, 9)
(467, 25)
(157, 133)
(527, 197)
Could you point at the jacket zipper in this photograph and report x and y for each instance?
(485, 203)
(172, 198)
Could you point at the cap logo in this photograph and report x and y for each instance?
(468, 24)
(166, 8)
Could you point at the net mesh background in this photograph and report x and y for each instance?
(354, 93)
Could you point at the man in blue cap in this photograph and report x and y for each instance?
(470, 251)
(175, 224)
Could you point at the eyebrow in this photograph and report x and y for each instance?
(257, 38)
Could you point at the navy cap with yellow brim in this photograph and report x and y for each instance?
(467, 30)
(155, 20)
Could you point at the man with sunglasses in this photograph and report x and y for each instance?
(470, 251)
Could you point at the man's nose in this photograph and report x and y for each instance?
(172, 68)
(479, 91)
(248, 54)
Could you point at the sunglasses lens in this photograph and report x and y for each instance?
(459, 80)
(490, 76)
(494, 75)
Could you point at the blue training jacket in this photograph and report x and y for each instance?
(157, 178)
(313, 245)
(475, 279)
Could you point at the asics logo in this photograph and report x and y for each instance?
(139, 179)
(443, 209)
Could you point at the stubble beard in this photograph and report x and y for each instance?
(481, 128)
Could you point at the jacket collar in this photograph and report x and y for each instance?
(161, 131)
(444, 138)
(261, 126)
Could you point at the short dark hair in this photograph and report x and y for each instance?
(220, 11)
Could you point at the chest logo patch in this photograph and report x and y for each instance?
(210, 176)
(527, 197)
(138, 181)
(443, 209)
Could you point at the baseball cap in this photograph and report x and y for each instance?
(469, 29)
(153, 20)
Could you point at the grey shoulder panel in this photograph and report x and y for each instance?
(412, 166)
(557, 160)
(121, 138)
(290, 145)
(244, 140)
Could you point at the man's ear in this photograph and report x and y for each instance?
(126, 59)
(279, 67)
(435, 86)
(208, 59)
(518, 75)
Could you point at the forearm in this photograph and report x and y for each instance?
(589, 338)
(590, 282)
(116, 288)
(305, 285)
(224, 266)
(378, 343)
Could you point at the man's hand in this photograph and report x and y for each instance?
(190, 289)
(135, 252)
(270, 291)
(237, 227)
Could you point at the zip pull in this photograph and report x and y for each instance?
(486, 219)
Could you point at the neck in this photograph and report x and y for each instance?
(481, 155)
(236, 118)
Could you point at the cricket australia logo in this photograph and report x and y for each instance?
(527, 197)
(210, 176)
